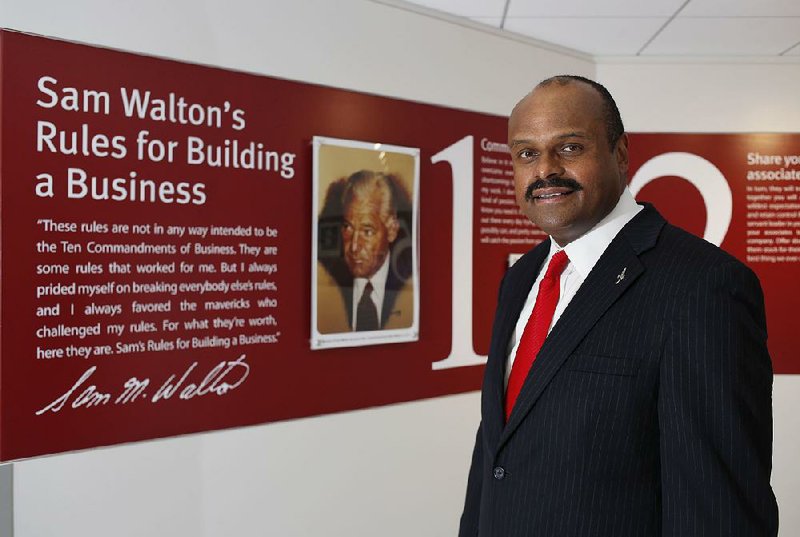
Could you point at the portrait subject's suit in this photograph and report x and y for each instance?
(335, 301)
(647, 411)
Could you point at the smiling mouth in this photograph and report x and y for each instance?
(550, 194)
(552, 189)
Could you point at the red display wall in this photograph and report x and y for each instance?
(156, 244)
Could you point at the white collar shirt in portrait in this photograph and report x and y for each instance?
(583, 253)
(378, 281)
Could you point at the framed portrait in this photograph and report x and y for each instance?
(365, 254)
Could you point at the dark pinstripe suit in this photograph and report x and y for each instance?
(647, 411)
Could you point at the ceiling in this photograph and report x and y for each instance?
(648, 28)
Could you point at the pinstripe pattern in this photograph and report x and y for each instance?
(648, 410)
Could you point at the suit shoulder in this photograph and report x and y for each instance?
(693, 250)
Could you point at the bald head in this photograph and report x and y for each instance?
(568, 175)
(611, 116)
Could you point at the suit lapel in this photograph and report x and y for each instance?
(347, 294)
(616, 270)
(520, 280)
(393, 285)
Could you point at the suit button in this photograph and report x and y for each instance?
(499, 473)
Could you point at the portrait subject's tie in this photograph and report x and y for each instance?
(536, 328)
(366, 313)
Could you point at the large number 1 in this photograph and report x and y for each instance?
(460, 157)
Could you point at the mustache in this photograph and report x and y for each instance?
(552, 182)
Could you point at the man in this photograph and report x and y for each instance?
(365, 286)
(646, 409)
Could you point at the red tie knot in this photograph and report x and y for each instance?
(557, 264)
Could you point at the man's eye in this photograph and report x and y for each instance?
(525, 154)
(571, 148)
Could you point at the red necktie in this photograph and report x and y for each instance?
(537, 327)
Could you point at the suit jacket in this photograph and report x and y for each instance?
(647, 411)
(335, 301)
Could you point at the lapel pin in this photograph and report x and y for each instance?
(621, 275)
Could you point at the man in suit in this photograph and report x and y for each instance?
(365, 286)
(628, 386)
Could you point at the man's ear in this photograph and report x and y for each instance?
(621, 153)
(392, 228)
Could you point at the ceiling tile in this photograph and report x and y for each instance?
(466, 8)
(745, 36)
(795, 51)
(491, 21)
(600, 37)
(741, 8)
(593, 8)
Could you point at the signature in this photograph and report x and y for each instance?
(224, 377)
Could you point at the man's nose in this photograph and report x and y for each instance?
(354, 243)
(548, 165)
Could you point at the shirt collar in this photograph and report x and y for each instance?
(585, 251)
(378, 281)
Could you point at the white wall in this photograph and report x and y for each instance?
(398, 470)
(395, 471)
(724, 97)
(665, 96)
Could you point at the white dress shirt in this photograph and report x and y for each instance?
(378, 281)
(583, 253)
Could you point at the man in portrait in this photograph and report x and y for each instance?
(364, 254)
